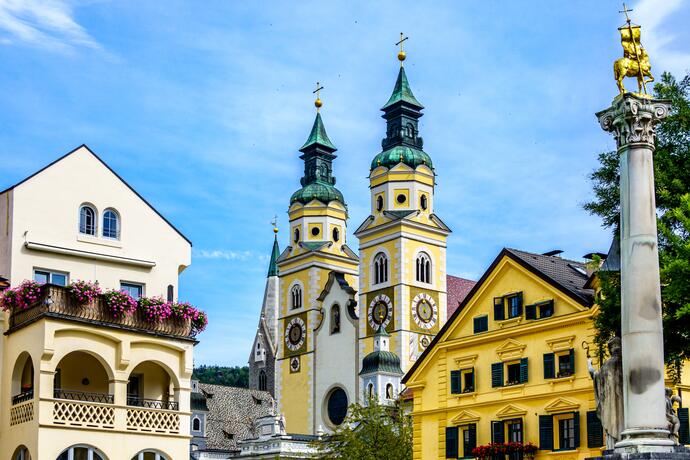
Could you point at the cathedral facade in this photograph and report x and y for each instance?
(335, 324)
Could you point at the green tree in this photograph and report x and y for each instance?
(672, 182)
(371, 432)
(219, 375)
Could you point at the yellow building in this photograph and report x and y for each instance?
(76, 380)
(509, 365)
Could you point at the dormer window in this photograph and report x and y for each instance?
(87, 220)
(111, 224)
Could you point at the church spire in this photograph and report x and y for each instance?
(275, 252)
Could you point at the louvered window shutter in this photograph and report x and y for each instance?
(684, 433)
(497, 432)
(519, 301)
(572, 360)
(530, 311)
(455, 382)
(497, 375)
(576, 425)
(549, 366)
(546, 432)
(595, 432)
(523, 370)
(499, 311)
(472, 441)
(452, 442)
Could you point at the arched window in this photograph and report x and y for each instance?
(81, 452)
(379, 203)
(296, 235)
(148, 455)
(336, 234)
(196, 424)
(389, 391)
(87, 220)
(335, 319)
(423, 268)
(171, 293)
(370, 390)
(22, 453)
(423, 202)
(296, 293)
(263, 384)
(111, 224)
(380, 268)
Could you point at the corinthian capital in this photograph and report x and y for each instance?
(632, 119)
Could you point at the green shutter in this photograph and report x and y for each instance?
(472, 441)
(572, 360)
(499, 310)
(549, 365)
(496, 375)
(452, 442)
(546, 432)
(530, 311)
(498, 432)
(595, 432)
(455, 382)
(684, 433)
(471, 380)
(519, 296)
(523, 370)
(576, 419)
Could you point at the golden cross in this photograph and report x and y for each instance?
(626, 11)
(317, 91)
(401, 54)
(274, 223)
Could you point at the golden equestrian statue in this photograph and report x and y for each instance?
(635, 61)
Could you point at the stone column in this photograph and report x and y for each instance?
(632, 119)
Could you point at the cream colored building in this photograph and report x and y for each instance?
(76, 382)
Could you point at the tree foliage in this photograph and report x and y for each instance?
(371, 432)
(219, 375)
(672, 187)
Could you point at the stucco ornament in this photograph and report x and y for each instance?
(608, 392)
(672, 415)
(632, 119)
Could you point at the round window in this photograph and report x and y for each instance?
(336, 234)
(401, 198)
(422, 202)
(337, 406)
(379, 203)
(315, 231)
(296, 235)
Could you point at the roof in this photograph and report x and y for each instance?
(457, 289)
(317, 190)
(402, 92)
(381, 361)
(318, 135)
(114, 173)
(232, 412)
(569, 276)
(275, 253)
(410, 156)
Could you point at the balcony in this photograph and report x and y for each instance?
(23, 397)
(152, 403)
(85, 396)
(56, 302)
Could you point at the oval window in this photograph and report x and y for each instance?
(423, 202)
(315, 231)
(297, 235)
(336, 234)
(379, 203)
(401, 198)
(337, 406)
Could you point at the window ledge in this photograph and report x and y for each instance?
(563, 452)
(99, 241)
(569, 378)
(516, 387)
(510, 322)
(472, 394)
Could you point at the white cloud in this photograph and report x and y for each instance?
(43, 23)
(224, 254)
(663, 47)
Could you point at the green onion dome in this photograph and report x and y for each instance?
(402, 154)
(317, 191)
(381, 361)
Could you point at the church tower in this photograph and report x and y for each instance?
(403, 242)
(318, 233)
(381, 371)
(263, 355)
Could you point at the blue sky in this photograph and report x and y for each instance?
(201, 106)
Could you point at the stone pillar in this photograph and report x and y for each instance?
(632, 119)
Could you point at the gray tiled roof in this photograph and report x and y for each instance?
(232, 412)
(569, 274)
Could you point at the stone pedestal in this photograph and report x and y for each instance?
(632, 119)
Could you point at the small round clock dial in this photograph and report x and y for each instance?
(295, 334)
(380, 311)
(424, 311)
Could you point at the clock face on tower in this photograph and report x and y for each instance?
(295, 334)
(380, 311)
(424, 311)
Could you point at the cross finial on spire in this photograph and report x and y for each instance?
(274, 223)
(317, 91)
(401, 54)
(626, 11)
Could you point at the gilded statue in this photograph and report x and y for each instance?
(635, 61)
(608, 392)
